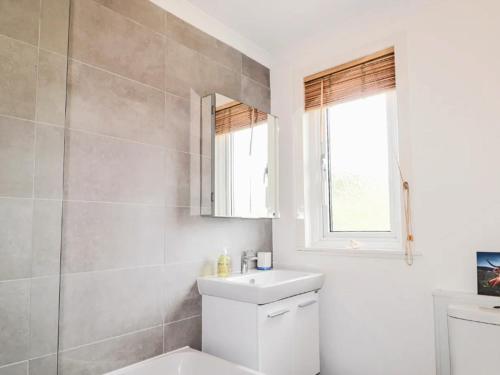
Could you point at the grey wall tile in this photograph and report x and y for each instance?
(100, 305)
(19, 19)
(49, 160)
(143, 12)
(104, 103)
(255, 94)
(14, 321)
(46, 241)
(102, 236)
(105, 169)
(181, 291)
(54, 25)
(182, 185)
(16, 157)
(51, 96)
(17, 78)
(16, 369)
(104, 38)
(44, 365)
(182, 77)
(193, 38)
(183, 333)
(212, 235)
(181, 136)
(256, 71)
(15, 238)
(227, 82)
(44, 310)
(99, 358)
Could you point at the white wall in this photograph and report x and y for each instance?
(376, 313)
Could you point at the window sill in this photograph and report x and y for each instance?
(369, 253)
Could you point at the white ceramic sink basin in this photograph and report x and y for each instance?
(260, 287)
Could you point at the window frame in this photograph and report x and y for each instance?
(316, 192)
(367, 239)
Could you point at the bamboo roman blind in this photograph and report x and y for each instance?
(368, 75)
(236, 116)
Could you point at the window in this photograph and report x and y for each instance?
(352, 146)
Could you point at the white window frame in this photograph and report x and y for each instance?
(316, 190)
(390, 239)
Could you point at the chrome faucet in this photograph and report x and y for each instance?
(246, 256)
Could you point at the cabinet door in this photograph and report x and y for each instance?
(276, 333)
(306, 340)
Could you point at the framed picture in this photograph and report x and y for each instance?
(488, 274)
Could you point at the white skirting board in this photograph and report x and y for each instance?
(442, 299)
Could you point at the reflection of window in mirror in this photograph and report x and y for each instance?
(241, 161)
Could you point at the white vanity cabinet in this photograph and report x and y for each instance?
(278, 338)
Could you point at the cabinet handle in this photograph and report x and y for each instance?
(308, 303)
(277, 313)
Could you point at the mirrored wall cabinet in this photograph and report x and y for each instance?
(239, 169)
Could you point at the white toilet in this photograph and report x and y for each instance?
(474, 337)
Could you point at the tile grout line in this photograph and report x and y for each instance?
(35, 122)
(37, 92)
(118, 75)
(131, 141)
(32, 45)
(111, 338)
(134, 21)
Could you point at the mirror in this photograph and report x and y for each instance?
(239, 168)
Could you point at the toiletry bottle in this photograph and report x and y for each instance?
(224, 264)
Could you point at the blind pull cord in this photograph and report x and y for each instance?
(408, 218)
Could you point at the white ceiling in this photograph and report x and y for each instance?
(273, 24)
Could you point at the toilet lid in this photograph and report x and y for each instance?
(481, 314)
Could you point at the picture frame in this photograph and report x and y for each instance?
(488, 273)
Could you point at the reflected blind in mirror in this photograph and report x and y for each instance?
(236, 116)
(366, 76)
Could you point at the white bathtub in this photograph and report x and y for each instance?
(185, 361)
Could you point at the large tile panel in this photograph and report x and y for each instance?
(102, 37)
(14, 320)
(44, 310)
(212, 235)
(105, 169)
(255, 94)
(181, 291)
(102, 236)
(15, 238)
(183, 333)
(256, 71)
(17, 78)
(195, 39)
(43, 365)
(101, 357)
(181, 78)
(104, 103)
(182, 179)
(19, 19)
(46, 241)
(51, 96)
(54, 25)
(49, 162)
(15, 369)
(141, 11)
(16, 157)
(181, 136)
(101, 305)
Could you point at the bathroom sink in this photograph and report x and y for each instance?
(260, 287)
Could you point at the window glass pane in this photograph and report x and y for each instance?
(359, 165)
